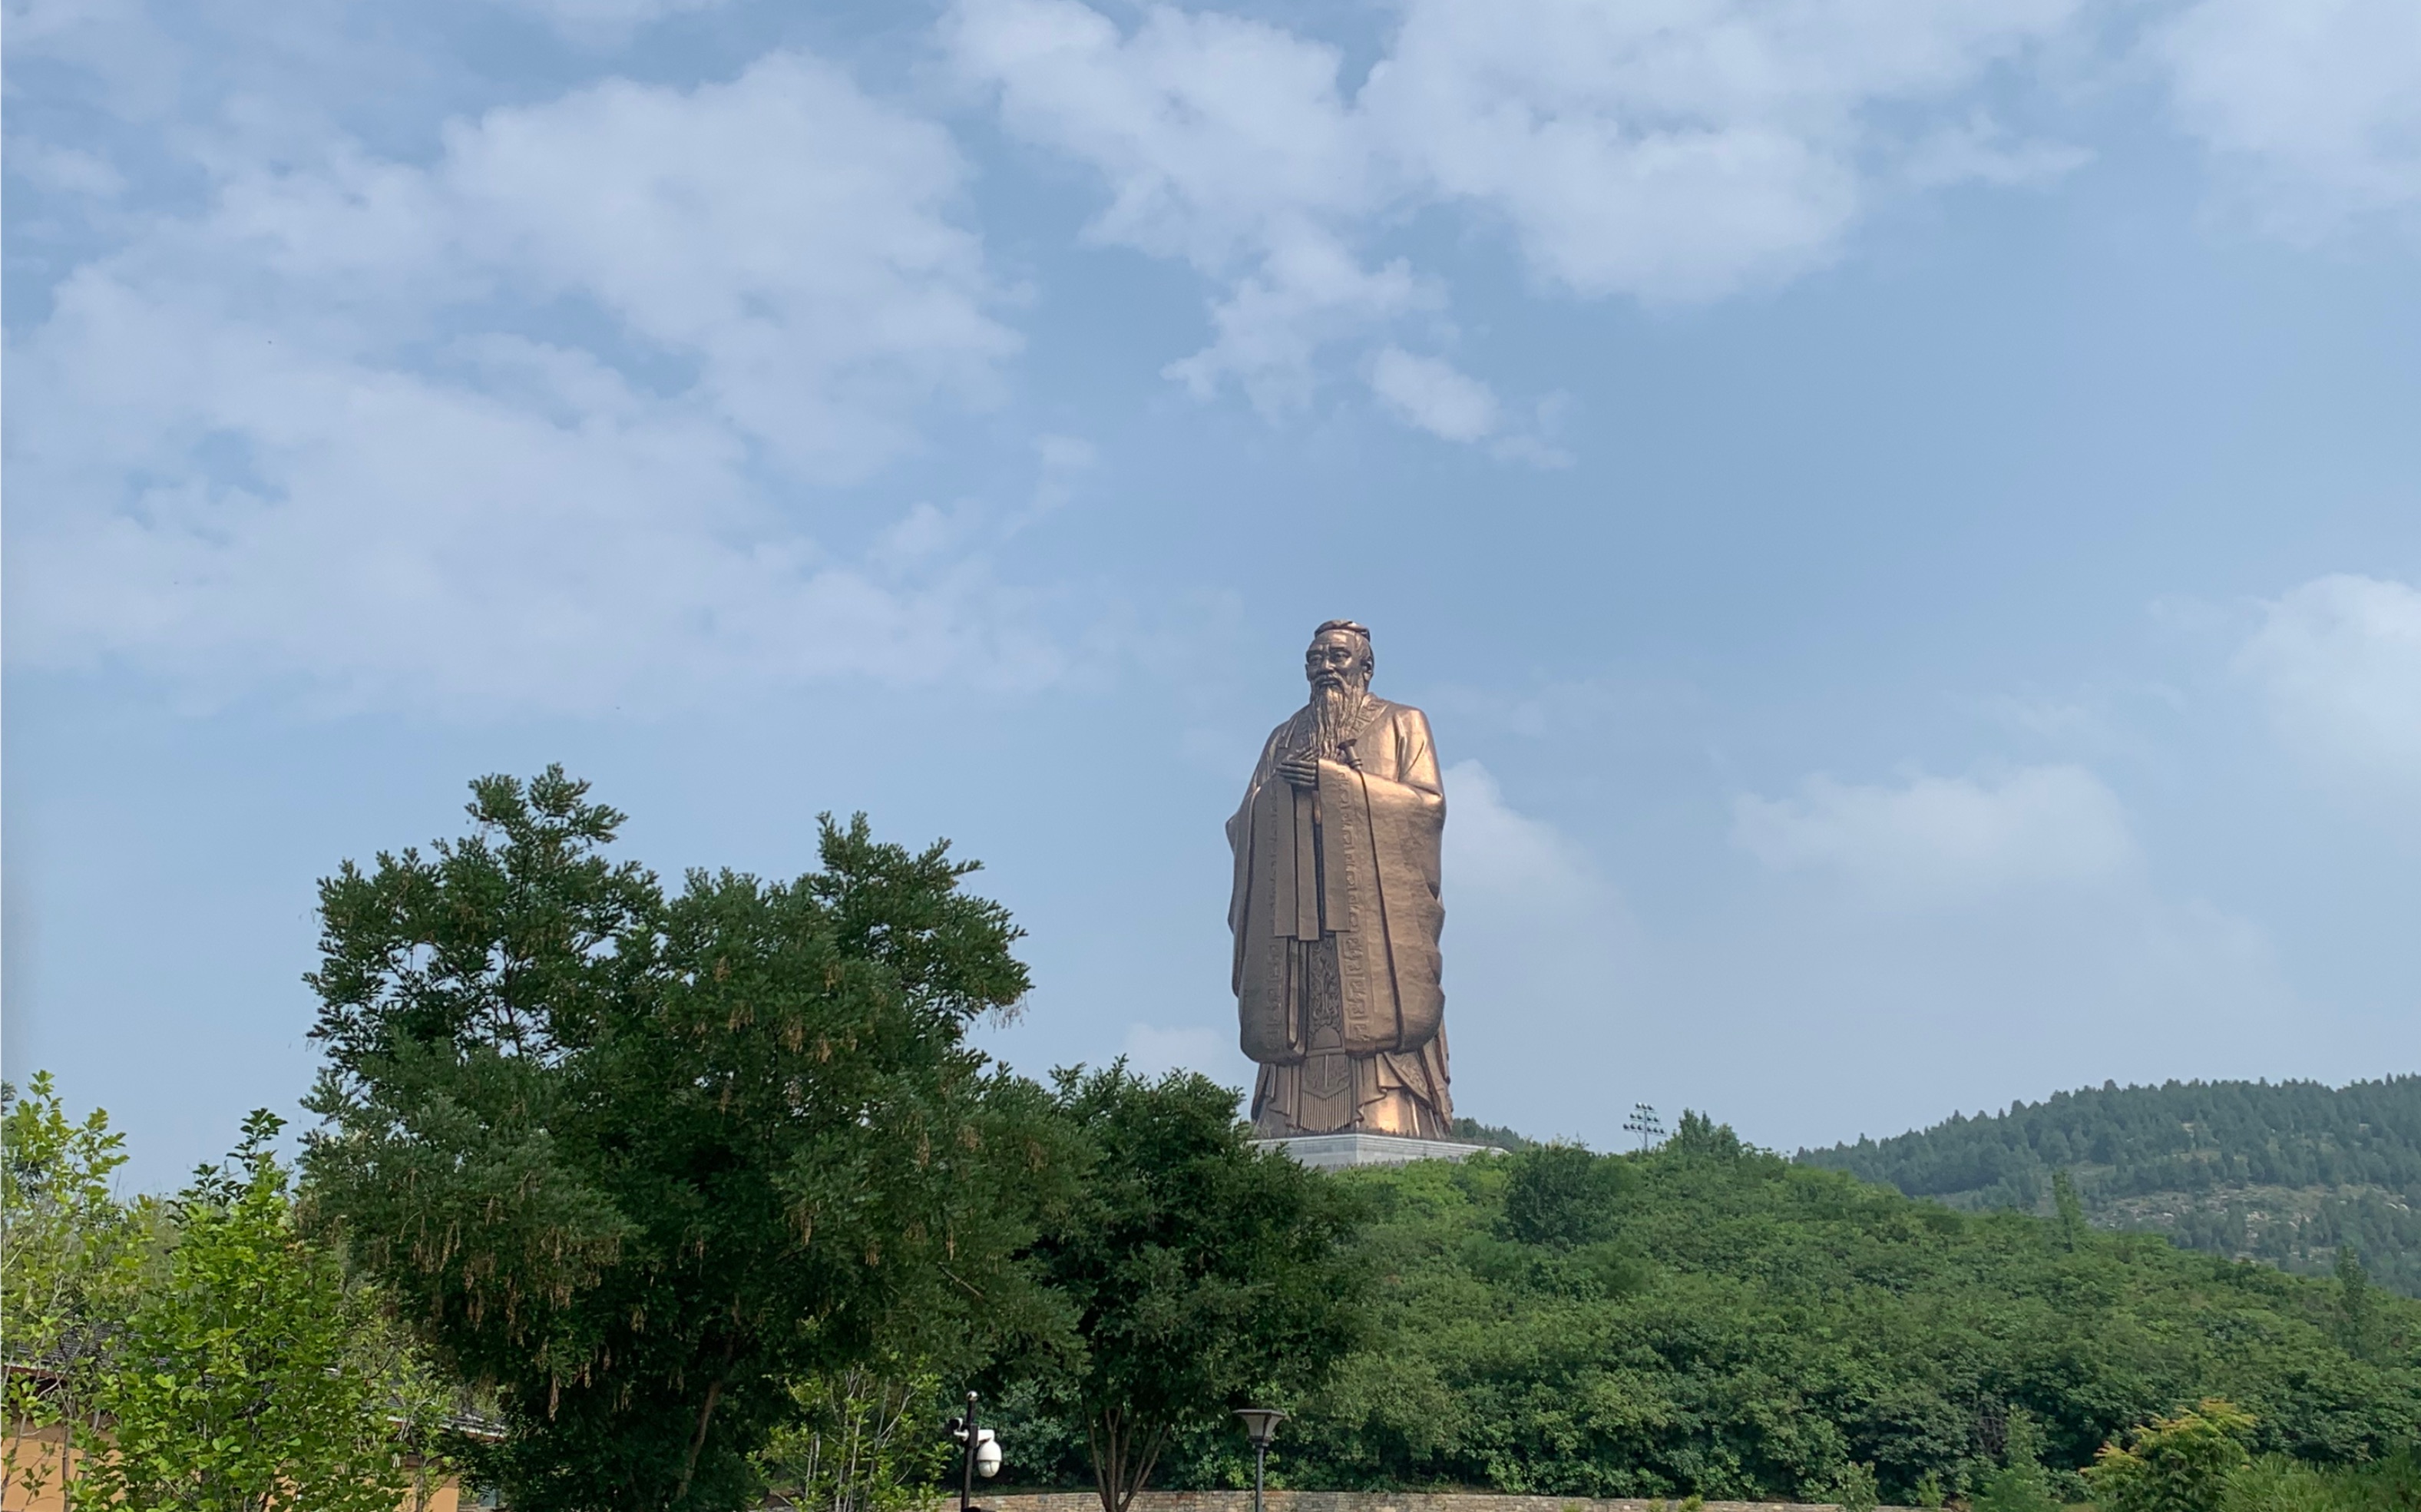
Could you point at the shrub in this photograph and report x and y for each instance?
(2174, 1464)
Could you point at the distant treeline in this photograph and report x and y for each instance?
(1471, 1131)
(2285, 1172)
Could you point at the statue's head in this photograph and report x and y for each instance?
(1339, 657)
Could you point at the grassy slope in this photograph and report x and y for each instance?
(2281, 1172)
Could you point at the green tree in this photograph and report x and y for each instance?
(70, 1266)
(641, 1161)
(1699, 1137)
(2174, 1464)
(2356, 1326)
(2021, 1484)
(1202, 1271)
(1853, 1490)
(1564, 1196)
(2070, 1209)
(249, 1377)
(863, 1442)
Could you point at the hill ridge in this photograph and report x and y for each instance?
(2284, 1172)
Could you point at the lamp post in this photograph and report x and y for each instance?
(1260, 1424)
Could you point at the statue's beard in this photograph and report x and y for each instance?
(1335, 706)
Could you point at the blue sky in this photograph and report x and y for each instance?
(1906, 519)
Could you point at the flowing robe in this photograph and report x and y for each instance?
(1335, 915)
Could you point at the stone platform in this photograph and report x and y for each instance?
(1338, 1152)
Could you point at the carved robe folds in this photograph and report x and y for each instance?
(1337, 917)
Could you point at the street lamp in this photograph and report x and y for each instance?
(1260, 1424)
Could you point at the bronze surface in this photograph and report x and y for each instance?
(1336, 912)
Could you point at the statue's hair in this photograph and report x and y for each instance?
(1359, 631)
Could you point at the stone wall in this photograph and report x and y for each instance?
(1360, 1502)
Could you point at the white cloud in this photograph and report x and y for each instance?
(1226, 144)
(605, 20)
(1662, 150)
(2002, 932)
(1061, 460)
(784, 233)
(1978, 151)
(2315, 103)
(1543, 962)
(1431, 394)
(1496, 852)
(522, 428)
(68, 169)
(2339, 662)
(1930, 839)
(2007, 933)
(1669, 149)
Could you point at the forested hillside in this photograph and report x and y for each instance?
(1709, 1317)
(2285, 1172)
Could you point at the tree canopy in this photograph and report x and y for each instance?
(1200, 1270)
(639, 1161)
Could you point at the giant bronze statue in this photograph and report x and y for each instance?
(1336, 910)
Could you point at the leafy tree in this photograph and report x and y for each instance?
(2022, 1483)
(863, 1441)
(249, 1377)
(2070, 1209)
(640, 1161)
(1564, 1196)
(1699, 1137)
(1202, 1271)
(2174, 1464)
(2355, 1306)
(2015, 1488)
(1853, 1490)
(70, 1259)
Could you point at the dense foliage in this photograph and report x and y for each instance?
(201, 1354)
(2287, 1172)
(1203, 1273)
(640, 1163)
(71, 1263)
(1709, 1318)
(2173, 1464)
(2276, 1483)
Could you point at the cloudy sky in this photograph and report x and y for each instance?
(1906, 517)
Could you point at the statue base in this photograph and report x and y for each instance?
(1338, 1152)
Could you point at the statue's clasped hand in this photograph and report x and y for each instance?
(1302, 768)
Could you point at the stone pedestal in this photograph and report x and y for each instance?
(1337, 1152)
